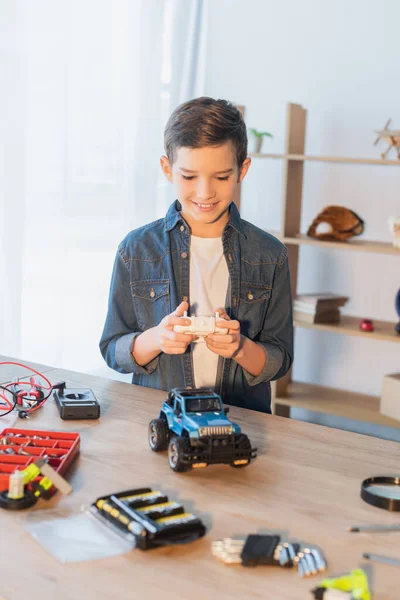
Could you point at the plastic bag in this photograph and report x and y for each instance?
(76, 537)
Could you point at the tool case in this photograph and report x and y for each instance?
(58, 448)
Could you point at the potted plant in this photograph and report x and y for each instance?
(259, 135)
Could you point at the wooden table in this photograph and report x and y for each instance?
(304, 483)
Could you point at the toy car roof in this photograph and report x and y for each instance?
(195, 393)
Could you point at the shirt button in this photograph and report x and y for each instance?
(188, 387)
(250, 296)
(182, 228)
(184, 255)
(152, 293)
(184, 298)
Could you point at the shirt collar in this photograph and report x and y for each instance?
(173, 217)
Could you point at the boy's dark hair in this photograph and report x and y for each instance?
(205, 122)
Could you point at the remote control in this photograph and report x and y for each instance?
(201, 326)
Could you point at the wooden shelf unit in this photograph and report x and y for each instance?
(330, 159)
(357, 245)
(383, 330)
(286, 393)
(339, 403)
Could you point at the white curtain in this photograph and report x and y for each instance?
(87, 87)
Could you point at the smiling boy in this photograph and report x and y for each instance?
(202, 258)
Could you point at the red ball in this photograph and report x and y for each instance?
(366, 325)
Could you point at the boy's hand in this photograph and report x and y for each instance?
(225, 345)
(169, 341)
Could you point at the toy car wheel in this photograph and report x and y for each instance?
(158, 435)
(240, 463)
(176, 452)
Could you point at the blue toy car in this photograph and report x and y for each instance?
(193, 426)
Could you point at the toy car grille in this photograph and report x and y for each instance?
(222, 430)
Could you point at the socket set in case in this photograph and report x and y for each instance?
(21, 447)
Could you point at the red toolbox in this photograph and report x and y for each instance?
(59, 448)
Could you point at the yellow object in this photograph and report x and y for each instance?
(30, 473)
(44, 483)
(175, 518)
(155, 506)
(355, 582)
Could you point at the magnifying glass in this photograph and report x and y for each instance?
(382, 491)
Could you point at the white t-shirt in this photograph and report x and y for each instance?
(209, 278)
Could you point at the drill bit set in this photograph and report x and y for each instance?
(269, 550)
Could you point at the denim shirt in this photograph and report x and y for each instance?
(151, 278)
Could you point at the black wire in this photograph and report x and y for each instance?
(3, 414)
(40, 401)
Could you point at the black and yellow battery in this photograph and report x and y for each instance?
(159, 511)
(143, 498)
(150, 517)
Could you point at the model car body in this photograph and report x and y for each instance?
(194, 427)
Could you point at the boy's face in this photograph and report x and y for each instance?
(205, 181)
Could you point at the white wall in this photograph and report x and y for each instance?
(88, 87)
(340, 61)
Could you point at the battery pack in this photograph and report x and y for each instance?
(150, 517)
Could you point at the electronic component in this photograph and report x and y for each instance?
(201, 326)
(17, 396)
(76, 403)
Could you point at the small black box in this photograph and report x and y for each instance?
(259, 550)
(76, 403)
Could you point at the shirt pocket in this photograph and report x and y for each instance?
(151, 301)
(253, 306)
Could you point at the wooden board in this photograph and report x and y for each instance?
(383, 330)
(355, 244)
(340, 403)
(330, 159)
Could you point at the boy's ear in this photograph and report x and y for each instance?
(166, 168)
(244, 168)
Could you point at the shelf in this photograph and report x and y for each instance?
(329, 159)
(317, 398)
(360, 245)
(384, 330)
(340, 403)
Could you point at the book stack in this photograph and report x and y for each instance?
(318, 308)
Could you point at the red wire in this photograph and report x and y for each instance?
(10, 406)
(29, 369)
(27, 383)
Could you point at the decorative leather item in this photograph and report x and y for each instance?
(336, 223)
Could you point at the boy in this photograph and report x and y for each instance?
(202, 258)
